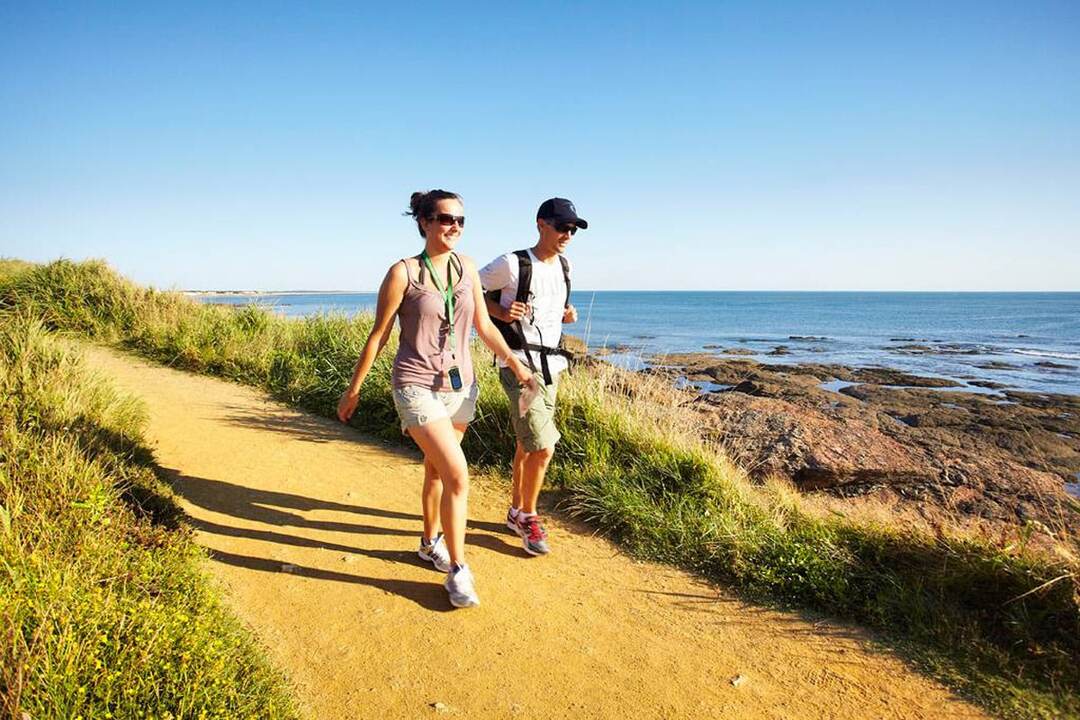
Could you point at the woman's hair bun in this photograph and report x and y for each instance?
(422, 204)
(414, 202)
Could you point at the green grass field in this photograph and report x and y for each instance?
(1000, 623)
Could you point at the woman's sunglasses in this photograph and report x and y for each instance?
(447, 219)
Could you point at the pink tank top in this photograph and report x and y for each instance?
(424, 356)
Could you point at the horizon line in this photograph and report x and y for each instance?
(694, 290)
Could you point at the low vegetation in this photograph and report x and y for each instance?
(104, 612)
(1001, 623)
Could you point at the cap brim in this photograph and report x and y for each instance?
(580, 222)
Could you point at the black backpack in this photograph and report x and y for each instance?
(512, 332)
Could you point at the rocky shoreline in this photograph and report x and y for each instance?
(984, 453)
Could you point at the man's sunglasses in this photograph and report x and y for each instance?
(447, 219)
(564, 227)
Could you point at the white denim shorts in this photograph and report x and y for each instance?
(417, 405)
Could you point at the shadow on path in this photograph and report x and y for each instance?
(252, 504)
(308, 427)
(402, 556)
(430, 596)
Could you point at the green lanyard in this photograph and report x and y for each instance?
(448, 296)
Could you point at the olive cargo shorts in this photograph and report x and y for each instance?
(535, 431)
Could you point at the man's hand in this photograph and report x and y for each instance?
(569, 314)
(516, 311)
(346, 406)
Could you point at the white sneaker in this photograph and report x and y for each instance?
(436, 553)
(512, 523)
(459, 583)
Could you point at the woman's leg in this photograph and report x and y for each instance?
(431, 497)
(441, 444)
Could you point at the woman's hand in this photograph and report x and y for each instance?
(530, 388)
(569, 314)
(346, 405)
(521, 371)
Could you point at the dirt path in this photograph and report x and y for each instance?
(313, 531)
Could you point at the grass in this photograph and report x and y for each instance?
(1001, 623)
(103, 610)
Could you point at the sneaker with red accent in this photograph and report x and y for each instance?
(533, 535)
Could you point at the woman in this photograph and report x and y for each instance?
(437, 296)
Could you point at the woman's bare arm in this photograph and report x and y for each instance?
(390, 293)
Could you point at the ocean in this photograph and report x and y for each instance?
(1025, 341)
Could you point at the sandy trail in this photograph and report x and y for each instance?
(313, 531)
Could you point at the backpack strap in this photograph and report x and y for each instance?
(523, 291)
(524, 276)
(566, 276)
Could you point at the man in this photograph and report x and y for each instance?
(528, 297)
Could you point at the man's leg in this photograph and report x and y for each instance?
(534, 468)
(527, 523)
(519, 468)
(536, 439)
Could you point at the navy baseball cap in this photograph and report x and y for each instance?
(558, 211)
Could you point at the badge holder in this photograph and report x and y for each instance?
(448, 297)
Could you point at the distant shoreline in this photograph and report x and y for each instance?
(234, 293)
(717, 292)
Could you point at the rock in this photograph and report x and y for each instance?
(888, 376)
(988, 384)
(970, 453)
(289, 568)
(441, 708)
(912, 349)
(572, 343)
(775, 436)
(738, 680)
(780, 350)
(997, 365)
(1054, 366)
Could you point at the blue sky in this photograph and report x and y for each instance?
(721, 145)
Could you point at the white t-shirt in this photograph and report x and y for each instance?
(547, 298)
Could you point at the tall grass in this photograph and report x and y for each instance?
(1000, 623)
(12, 266)
(103, 611)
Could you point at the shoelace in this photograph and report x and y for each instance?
(535, 530)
